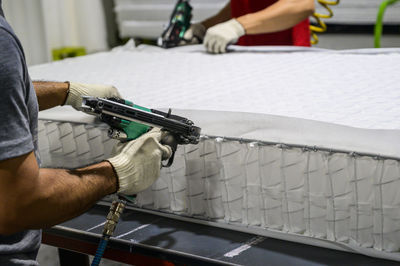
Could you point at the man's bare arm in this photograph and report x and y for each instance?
(50, 94)
(282, 15)
(36, 198)
(222, 16)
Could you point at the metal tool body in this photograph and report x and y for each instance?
(125, 116)
(128, 121)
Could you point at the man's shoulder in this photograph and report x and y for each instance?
(9, 44)
(11, 56)
(8, 41)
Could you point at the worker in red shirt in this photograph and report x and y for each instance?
(255, 22)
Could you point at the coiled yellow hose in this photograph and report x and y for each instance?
(321, 26)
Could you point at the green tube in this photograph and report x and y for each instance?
(379, 21)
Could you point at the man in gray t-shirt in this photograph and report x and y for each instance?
(18, 134)
(32, 197)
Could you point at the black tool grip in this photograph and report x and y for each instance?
(170, 140)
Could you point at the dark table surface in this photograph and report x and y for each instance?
(195, 244)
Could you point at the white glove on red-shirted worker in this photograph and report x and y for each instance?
(221, 35)
(137, 163)
(77, 90)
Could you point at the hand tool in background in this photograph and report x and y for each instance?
(127, 122)
(178, 24)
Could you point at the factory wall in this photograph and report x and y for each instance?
(43, 25)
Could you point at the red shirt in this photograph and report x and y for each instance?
(299, 35)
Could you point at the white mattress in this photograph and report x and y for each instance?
(300, 144)
(359, 90)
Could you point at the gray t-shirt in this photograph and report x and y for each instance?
(18, 134)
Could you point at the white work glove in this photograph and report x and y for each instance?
(221, 35)
(194, 35)
(77, 90)
(138, 162)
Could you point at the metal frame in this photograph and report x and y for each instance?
(304, 147)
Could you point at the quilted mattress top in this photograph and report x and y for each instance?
(360, 89)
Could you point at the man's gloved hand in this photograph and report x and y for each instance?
(219, 36)
(138, 162)
(194, 35)
(77, 90)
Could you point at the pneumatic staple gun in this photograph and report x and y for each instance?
(128, 121)
(178, 24)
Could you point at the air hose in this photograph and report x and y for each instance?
(116, 209)
(321, 26)
(379, 21)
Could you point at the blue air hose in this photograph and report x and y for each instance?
(116, 209)
(99, 252)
